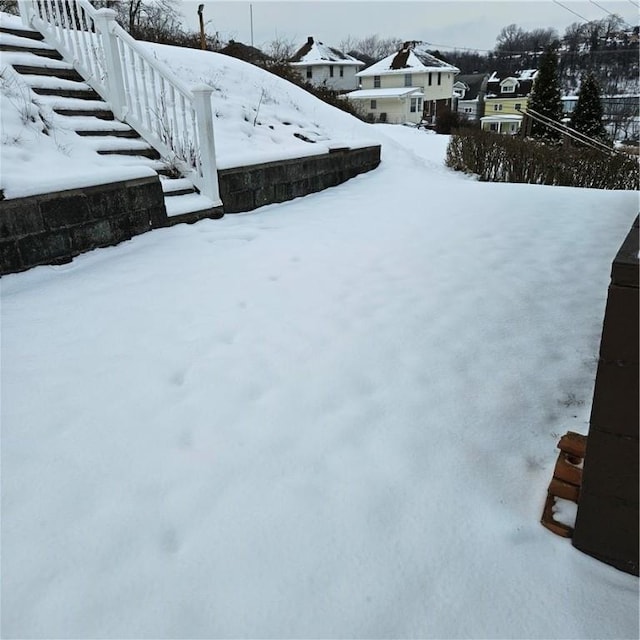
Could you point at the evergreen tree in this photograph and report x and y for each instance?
(545, 96)
(587, 116)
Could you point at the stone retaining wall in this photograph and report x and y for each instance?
(250, 187)
(53, 228)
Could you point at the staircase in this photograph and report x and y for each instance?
(56, 84)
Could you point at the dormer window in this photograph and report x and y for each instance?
(508, 85)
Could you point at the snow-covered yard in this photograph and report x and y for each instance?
(330, 418)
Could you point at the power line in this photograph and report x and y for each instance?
(633, 3)
(609, 12)
(571, 10)
(569, 132)
(600, 7)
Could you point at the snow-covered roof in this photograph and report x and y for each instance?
(313, 52)
(521, 74)
(504, 118)
(412, 56)
(397, 92)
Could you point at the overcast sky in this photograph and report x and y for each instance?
(445, 24)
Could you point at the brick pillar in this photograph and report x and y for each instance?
(607, 521)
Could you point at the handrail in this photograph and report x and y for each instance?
(175, 118)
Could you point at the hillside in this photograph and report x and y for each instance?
(259, 117)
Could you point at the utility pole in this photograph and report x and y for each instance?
(251, 20)
(203, 41)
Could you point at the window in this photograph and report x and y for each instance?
(407, 80)
(518, 106)
(468, 110)
(497, 107)
(493, 126)
(439, 78)
(331, 71)
(309, 72)
(430, 79)
(376, 82)
(416, 105)
(342, 72)
(374, 104)
(508, 88)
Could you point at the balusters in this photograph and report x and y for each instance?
(126, 80)
(96, 60)
(176, 132)
(183, 110)
(134, 72)
(145, 93)
(194, 136)
(156, 106)
(66, 27)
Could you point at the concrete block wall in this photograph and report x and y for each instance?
(53, 228)
(250, 187)
(608, 515)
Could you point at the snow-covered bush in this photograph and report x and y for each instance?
(501, 158)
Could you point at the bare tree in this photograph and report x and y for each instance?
(376, 47)
(510, 38)
(280, 49)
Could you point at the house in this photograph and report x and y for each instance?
(620, 114)
(245, 52)
(410, 85)
(326, 66)
(507, 95)
(468, 95)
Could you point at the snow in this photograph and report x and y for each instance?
(33, 136)
(244, 94)
(397, 92)
(321, 53)
(423, 62)
(335, 417)
(257, 115)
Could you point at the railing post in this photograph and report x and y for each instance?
(204, 118)
(26, 12)
(105, 20)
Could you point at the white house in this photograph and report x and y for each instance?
(410, 85)
(468, 93)
(328, 66)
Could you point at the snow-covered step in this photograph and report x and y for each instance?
(12, 38)
(190, 203)
(111, 143)
(134, 161)
(176, 186)
(77, 94)
(42, 53)
(54, 82)
(73, 104)
(36, 69)
(28, 58)
(80, 124)
(29, 34)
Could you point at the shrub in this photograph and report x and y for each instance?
(500, 158)
(447, 120)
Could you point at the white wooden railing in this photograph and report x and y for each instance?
(176, 119)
